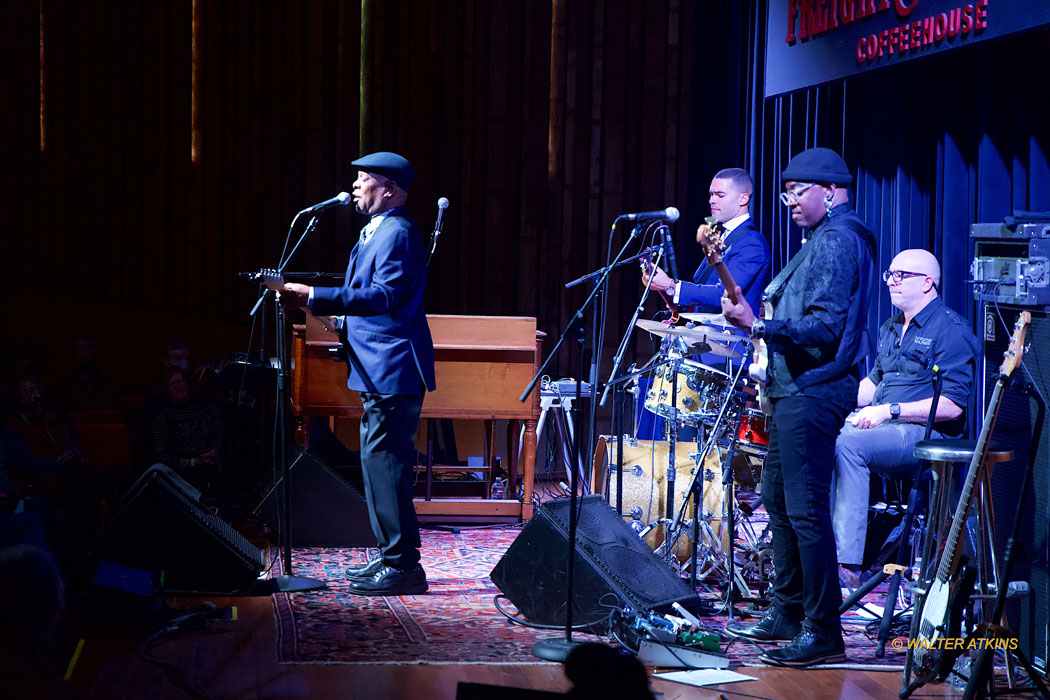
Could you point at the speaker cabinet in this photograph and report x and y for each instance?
(161, 527)
(613, 566)
(1021, 428)
(326, 511)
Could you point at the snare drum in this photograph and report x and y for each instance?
(701, 390)
(753, 434)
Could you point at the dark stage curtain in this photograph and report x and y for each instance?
(541, 120)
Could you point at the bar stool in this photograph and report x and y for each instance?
(941, 454)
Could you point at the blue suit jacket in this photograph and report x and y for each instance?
(385, 336)
(748, 260)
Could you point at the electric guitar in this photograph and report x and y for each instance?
(710, 237)
(946, 597)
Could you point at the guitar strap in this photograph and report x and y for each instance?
(776, 287)
(707, 269)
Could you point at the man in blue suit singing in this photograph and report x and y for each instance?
(390, 357)
(746, 251)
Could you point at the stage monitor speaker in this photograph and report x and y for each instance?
(1018, 428)
(161, 527)
(326, 510)
(613, 567)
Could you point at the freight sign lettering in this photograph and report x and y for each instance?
(810, 42)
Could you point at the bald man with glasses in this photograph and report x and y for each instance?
(894, 400)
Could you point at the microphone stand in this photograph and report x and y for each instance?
(558, 649)
(287, 582)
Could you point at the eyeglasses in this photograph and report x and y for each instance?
(793, 195)
(899, 275)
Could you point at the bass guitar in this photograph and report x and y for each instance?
(710, 237)
(649, 268)
(935, 645)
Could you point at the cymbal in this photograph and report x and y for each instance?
(706, 319)
(699, 339)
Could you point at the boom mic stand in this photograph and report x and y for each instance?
(558, 649)
(287, 582)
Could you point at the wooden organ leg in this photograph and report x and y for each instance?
(529, 468)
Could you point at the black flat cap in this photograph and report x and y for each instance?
(393, 166)
(817, 165)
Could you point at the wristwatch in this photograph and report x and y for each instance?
(758, 328)
(895, 410)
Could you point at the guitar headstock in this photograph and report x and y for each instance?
(709, 236)
(1015, 351)
(271, 278)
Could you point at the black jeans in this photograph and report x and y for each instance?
(796, 490)
(388, 460)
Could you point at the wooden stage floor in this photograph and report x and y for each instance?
(237, 659)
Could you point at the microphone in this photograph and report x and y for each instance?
(665, 233)
(670, 214)
(442, 206)
(341, 199)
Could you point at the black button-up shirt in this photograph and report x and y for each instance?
(819, 332)
(903, 368)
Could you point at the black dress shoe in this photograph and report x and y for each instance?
(390, 581)
(808, 649)
(773, 627)
(359, 573)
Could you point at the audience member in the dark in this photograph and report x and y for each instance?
(175, 354)
(48, 436)
(17, 525)
(31, 610)
(187, 434)
(86, 389)
(598, 672)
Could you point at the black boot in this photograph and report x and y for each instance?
(808, 649)
(773, 627)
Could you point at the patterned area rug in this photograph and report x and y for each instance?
(455, 622)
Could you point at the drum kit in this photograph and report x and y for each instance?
(666, 482)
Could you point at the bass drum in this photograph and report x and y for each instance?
(645, 493)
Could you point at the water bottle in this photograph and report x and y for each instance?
(499, 489)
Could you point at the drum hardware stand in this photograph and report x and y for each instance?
(732, 595)
(674, 529)
(558, 649)
(981, 683)
(615, 382)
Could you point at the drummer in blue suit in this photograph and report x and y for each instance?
(390, 358)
